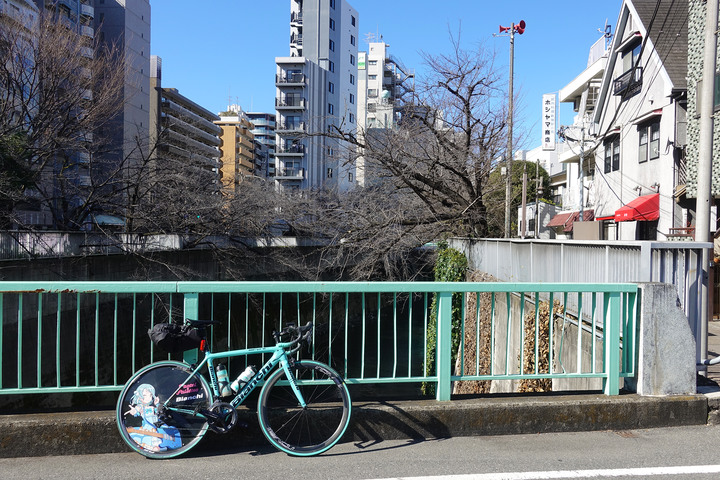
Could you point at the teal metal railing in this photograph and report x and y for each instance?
(91, 336)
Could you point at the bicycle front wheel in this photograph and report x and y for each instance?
(308, 430)
(157, 410)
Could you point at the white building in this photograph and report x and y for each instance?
(631, 104)
(316, 91)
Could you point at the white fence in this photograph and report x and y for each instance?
(576, 261)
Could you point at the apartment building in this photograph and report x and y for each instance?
(316, 92)
(384, 87)
(184, 132)
(237, 148)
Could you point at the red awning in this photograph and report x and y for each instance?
(566, 219)
(645, 208)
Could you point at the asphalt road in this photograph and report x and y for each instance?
(663, 453)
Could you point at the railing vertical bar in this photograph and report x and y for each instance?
(314, 322)
(247, 317)
(492, 333)
(551, 320)
(264, 316)
(134, 328)
(330, 330)
(347, 322)
(379, 359)
(191, 309)
(508, 331)
(19, 339)
(170, 319)
(2, 325)
(395, 336)
(425, 336)
(115, 335)
(297, 297)
(444, 345)
(477, 333)
(579, 333)
(410, 332)
(39, 340)
(280, 317)
(594, 330)
(362, 357)
(463, 318)
(77, 340)
(522, 332)
(152, 322)
(611, 331)
(57, 340)
(97, 339)
(537, 332)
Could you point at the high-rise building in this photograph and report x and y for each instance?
(126, 25)
(237, 148)
(185, 135)
(264, 132)
(316, 92)
(384, 88)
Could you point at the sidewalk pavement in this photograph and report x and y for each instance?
(73, 433)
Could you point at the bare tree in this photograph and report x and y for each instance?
(426, 178)
(58, 91)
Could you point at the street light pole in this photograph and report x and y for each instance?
(519, 28)
(508, 152)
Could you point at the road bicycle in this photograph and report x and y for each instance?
(303, 407)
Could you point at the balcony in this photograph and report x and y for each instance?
(87, 31)
(296, 18)
(294, 149)
(629, 83)
(290, 173)
(87, 10)
(291, 127)
(296, 39)
(290, 103)
(290, 79)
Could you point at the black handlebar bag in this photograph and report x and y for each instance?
(174, 338)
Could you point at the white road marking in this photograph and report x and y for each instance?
(617, 472)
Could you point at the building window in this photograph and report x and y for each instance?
(352, 38)
(612, 155)
(329, 173)
(352, 21)
(331, 66)
(372, 77)
(332, 46)
(352, 79)
(352, 118)
(372, 62)
(332, 24)
(352, 59)
(332, 4)
(350, 177)
(649, 135)
(331, 87)
(352, 98)
(331, 109)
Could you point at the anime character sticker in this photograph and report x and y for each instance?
(150, 435)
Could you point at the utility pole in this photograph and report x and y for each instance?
(524, 202)
(519, 28)
(537, 198)
(704, 199)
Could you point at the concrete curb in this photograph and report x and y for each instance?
(77, 433)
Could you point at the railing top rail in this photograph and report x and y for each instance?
(665, 245)
(307, 287)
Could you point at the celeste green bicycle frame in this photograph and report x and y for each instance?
(279, 357)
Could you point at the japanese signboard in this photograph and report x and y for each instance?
(548, 121)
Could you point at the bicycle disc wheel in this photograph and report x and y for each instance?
(163, 432)
(310, 430)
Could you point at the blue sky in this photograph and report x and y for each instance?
(224, 51)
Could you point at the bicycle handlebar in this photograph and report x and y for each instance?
(300, 335)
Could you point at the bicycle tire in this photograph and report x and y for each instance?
(152, 433)
(317, 427)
